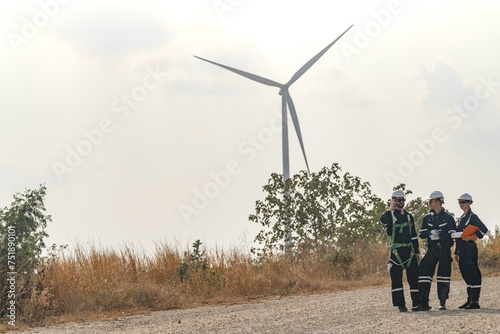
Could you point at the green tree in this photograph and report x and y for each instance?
(22, 233)
(321, 212)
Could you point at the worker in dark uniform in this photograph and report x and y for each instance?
(437, 227)
(404, 250)
(466, 252)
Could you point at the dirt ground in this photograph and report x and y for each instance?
(361, 311)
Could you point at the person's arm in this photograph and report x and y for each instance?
(474, 220)
(456, 249)
(451, 226)
(414, 237)
(424, 231)
(457, 240)
(386, 220)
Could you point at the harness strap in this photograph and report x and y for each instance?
(395, 246)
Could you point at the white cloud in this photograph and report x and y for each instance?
(113, 28)
(443, 84)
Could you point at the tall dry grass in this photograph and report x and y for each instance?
(489, 254)
(87, 281)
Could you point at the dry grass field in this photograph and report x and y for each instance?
(89, 283)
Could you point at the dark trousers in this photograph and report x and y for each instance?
(471, 274)
(427, 268)
(396, 272)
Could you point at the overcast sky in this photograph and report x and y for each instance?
(138, 141)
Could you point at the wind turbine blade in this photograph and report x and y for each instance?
(295, 120)
(246, 74)
(311, 62)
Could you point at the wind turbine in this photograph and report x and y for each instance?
(286, 100)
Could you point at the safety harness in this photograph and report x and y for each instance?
(395, 246)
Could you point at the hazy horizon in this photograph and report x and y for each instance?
(138, 141)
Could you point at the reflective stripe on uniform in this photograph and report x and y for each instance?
(425, 279)
(398, 289)
(442, 279)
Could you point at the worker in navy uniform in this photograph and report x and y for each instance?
(466, 252)
(437, 227)
(404, 250)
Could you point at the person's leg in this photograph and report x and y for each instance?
(474, 275)
(475, 285)
(462, 265)
(412, 273)
(427, 268)
(398, 297)
(443, 278)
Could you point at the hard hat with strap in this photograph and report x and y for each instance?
(398, 193)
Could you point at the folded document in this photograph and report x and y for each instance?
(469, 230)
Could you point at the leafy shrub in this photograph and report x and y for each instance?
(22, 233)
(192, 262)
(340, 260)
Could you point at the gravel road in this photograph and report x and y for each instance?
(361, 311)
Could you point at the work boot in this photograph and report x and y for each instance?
(414, 306)
(472, 306)
(402, 308)
(424, 305)
(465, 305)
(442, 305)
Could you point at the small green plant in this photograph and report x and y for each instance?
(196, 262)
(340, 260)
(192, 262)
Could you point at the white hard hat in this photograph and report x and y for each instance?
(466, 197)
(398, 193)
(436, 194)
